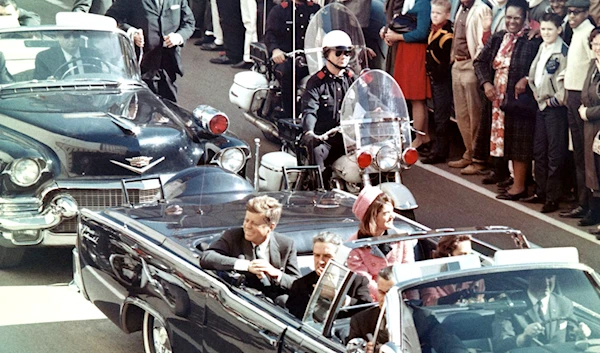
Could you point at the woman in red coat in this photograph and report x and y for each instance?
(375, 210)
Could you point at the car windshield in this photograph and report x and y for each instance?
(65, 55)
(489, 312)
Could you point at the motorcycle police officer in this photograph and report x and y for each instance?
(278, 39)
(322, 101)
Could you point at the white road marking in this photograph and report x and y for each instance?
(60, 4)
(515, 205)
(21, 305)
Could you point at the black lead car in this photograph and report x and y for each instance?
(70, 131)
(140, 266)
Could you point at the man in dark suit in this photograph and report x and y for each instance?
(538, 324)
(159, 27)
(268, 257)
(420, 327)
(325, 246)
(48, 62)
(24, 17)
(92, 6)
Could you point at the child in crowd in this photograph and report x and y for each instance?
(437, 63)
(546, 79)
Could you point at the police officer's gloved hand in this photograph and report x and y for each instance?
(310, 137)
(456, 296)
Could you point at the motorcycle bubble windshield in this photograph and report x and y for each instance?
(374, 114)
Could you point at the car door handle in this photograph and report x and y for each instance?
(273, 340)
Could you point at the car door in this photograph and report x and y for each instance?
(131, 271)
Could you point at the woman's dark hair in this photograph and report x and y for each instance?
(368, 225)
(448, 244)
(593, 35)
(521, 4)
(552, 17)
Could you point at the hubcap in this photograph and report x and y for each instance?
(160, 338)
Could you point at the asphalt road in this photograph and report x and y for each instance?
(40, 313)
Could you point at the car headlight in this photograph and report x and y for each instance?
(25, 172)
(387, 158)
(232, 159)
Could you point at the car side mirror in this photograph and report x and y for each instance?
(356, 345)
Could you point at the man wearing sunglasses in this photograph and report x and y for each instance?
(52, 62)
(578, 60)
(322, 101)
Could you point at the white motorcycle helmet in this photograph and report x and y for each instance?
(336, 40)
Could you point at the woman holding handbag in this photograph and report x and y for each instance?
(502, 68)
(406, 34)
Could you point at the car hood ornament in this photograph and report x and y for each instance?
(140, 164)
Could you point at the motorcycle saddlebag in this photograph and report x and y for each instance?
(248, 87)
(259, 53)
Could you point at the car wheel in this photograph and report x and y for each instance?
(10, 257)
(156, 336)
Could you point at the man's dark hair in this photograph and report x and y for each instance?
(521, 4)
(552, 17)
(5, 3)
(386, 273)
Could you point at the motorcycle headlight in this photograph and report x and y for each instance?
(387, 158)
(232, 159)
(25, 172)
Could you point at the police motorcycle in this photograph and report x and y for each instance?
(257, 92)
(374, 123)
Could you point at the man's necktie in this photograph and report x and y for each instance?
(256, 253)
(540, 311)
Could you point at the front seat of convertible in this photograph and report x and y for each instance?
(473, 329)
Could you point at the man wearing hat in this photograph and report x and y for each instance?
(578, 59)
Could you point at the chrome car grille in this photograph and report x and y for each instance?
(99, 199)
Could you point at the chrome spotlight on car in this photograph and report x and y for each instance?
(211, 119)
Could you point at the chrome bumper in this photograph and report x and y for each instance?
(61, 207)
(28, 228)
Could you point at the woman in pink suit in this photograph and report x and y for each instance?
(375, 211)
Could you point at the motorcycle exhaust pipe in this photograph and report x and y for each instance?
(261, 124)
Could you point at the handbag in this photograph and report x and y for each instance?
(403, 23)
(525, 105)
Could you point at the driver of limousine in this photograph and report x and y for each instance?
(544, 321)
(268, 258)
(57, 61)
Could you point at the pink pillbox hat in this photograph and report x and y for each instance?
(364, 200)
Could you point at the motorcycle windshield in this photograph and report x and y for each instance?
(374, 115)
(334, 16)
